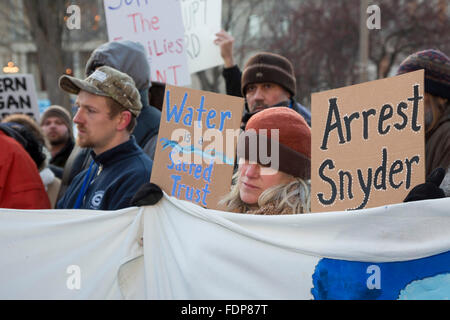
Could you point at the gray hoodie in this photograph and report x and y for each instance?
(126, 56)
(130, 57)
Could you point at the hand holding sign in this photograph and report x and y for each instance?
(225, 41)
(430, 189)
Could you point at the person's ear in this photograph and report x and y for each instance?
(124, 120)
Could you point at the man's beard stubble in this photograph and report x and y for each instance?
(59, 141)
(258, 106)
(83, 143)
(261, 105)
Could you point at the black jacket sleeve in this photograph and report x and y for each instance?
(232, 78)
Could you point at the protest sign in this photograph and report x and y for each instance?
(158, 26)
(202, 20)
(18, 95)
(368, 144)
(197, 140)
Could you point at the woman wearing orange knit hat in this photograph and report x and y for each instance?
(278, 186)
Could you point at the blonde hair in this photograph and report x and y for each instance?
(294, 195)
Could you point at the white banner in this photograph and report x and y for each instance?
(158, 26)
(399, 251)
(66, 254)
(18, 95)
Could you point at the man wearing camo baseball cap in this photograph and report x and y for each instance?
(108, 104)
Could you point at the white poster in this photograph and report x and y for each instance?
(18, 95)
(202, 20)
(158, 26)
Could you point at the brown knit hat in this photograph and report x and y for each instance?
(294, 139)
(269, 67)
(59, 112)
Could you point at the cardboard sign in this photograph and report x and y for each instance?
(368, 144)
(18, 95)
(158, 26)
(202, 20)
(196, 146)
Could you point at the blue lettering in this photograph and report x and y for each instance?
(127, 2)
(195, 170)
(190, 168)
(200, 111)
(115, 8)
(175, 112)
(222, 118)
(198, 196)
(205, 192)
(191, 195)
(198, 172)
(179, 189)
(208, 172)
(175, 178)
(170, 167)
(188, 116)
(211, 114)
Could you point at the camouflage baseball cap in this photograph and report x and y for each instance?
(106, 82)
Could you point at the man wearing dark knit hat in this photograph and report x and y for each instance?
(269, 77)
(437, 117)
(268, 80)
(108, 105)
(56, 125)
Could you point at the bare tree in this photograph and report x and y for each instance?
(321, 37)
(43, 23)
(408, 27)
(46, 22)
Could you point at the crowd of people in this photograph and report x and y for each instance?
(109, 166)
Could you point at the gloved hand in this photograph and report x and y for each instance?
(147, 195)
(430, 189)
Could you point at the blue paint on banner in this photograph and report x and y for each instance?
(426, 278)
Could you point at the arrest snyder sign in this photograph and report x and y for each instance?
(367, 143)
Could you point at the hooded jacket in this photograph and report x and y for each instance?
(437, 144)
(130, 58)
